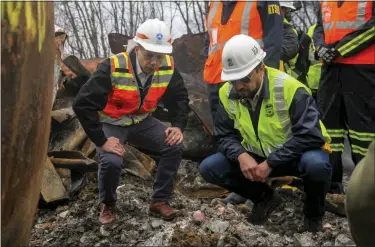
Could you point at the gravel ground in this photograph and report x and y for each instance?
(203, 222)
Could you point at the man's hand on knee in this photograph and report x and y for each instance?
(173, 136)
(113, 145)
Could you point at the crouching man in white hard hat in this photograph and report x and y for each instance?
(267, 126)
(114, 107)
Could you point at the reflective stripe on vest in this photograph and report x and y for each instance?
(360, 19)
(124, 103)
(244, 25)
(281, 109)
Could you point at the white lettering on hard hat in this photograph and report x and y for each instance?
(230, 62)
(255, 50)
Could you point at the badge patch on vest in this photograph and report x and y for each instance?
(326, 14)
(269, 110)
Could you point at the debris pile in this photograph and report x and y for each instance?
(202, 222)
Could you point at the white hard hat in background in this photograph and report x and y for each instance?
(241, 54)
(287, 5)
(154, 35)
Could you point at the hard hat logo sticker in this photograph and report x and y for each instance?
(230, 62)
(159, 36)
(255, 50)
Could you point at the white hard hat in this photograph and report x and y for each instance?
(288, 5)
(241, 54)
(154, 35)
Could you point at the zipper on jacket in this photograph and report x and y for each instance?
(261, 146)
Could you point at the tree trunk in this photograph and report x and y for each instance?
(75, 31)
(85, 28)
(202, 16)
(196, 17)
(185, 19)
(28, 57)
(131, 19)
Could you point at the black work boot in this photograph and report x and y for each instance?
(262, 209)
(314, 224)
(234, 198)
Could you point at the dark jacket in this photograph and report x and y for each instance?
(304, 116)
(318, 36)
(272, 30)
(289, 48)
(93, 96)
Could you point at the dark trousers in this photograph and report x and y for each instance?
(313, 168)
(149, 135)
(213, 97)
(346, 99)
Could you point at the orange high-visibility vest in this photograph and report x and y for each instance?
(337, 22)
(124, 105)
(245, 19)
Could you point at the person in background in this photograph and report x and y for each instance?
(345, 42)
(290, 46)
(267, 125)
(259, 19)
(114, 107)
(315, 66)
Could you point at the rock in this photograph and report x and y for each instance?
(161, 238)
(199, 216)
(156, 223)
(104, 232)
(204, 207)
(221, 241)
(83, 239)
(221, 211)
(247, 234)
(217, 201)
(327, 244)
(218, 226)
(304, 239)
(81, 229)
(102, 243)
(277, 244)
(327, 226)
(123, 237)
(47, 241)
(343, 240)
(64, 214)
(145, 227)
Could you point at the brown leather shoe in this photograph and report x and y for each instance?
(107, 213)
(162, 210)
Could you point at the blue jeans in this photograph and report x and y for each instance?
(313, 167)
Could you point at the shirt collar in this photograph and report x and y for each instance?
(264, 90)
(139, 70)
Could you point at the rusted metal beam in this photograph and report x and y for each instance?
(27, 65)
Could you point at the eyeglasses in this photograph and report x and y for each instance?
(149, 55)
(246, 79)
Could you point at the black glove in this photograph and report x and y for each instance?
(326, 54)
